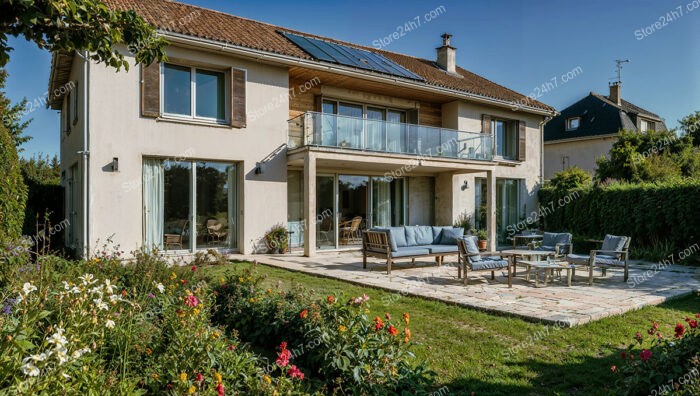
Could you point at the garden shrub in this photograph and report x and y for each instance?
(660, 363)
(660, 217)
(13, 191)
(102, 327)
(332, 337)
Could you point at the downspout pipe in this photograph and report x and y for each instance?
(542, 124)
(85, 154)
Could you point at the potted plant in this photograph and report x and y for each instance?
(482, 236)
(276, 239)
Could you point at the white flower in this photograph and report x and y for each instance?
(38, 358)
(109, 288)
(80, 352)
(66, 285)
(115, 297)
(57, 338)
(160, 287)
(88, 279)
(28, 288)
(30, 369)
(100, 304)
(19, 299)
(66, 376)
(75, 290)
(109, 324)
(61, 355)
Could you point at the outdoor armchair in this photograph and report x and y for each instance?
(470, 259)
(614, 253)
(557, 242)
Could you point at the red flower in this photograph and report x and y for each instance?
(199, 377)
(183, 281)
(651, 331)
(697, 315)
(655, 325)
(230, 347)
(659, 336)
(330, 299)
(645, 355)
(191, 301)
(680, 329)
(392, 330)
(194, 268)
(294, 372)
(623, 355)
(303, 314)
(220, 389)
(638, 336)
(283, 355)
(693, 324)
(378, 323)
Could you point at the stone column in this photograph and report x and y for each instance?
(309, 225)
(491, 207)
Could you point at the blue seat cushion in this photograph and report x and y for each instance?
(470, 243)
(410, 251)
(436, 249)
(600, 259)
(437, 234)
(449, 236)
(489, 263)
(547, 248)
(553, 238)
(419, 235)
(395, 235)
(613, 243)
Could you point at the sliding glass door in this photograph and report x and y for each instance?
(325, 201)
(387, 202)
(174, 192)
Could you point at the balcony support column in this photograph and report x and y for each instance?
(310, 204)
(491, 207)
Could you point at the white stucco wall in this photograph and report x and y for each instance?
(581, 153)
(118, 130)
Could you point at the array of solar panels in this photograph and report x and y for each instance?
(348, 56)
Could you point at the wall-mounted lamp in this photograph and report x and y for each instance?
(115, 164)
(465, 185)
(258, 169)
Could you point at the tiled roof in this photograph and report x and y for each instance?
(218, 26)
(599, 116)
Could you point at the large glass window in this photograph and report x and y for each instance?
(352, 208)
(295, 207)
(175, 191)
(362, 126)
(325, 203)
(195, 93)
(506, 138)
(387, 202)
(507, 205)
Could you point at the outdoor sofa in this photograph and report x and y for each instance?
(412, 242)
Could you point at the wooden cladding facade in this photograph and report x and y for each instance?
(150, 90)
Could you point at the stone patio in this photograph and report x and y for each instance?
(556, 303)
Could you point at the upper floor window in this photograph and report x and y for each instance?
(506, 132)
(647, 126)
(573, 123)
(194, 93)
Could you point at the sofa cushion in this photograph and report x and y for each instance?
(399, 235)
(470, 243)
(410, 251)
(419, 235)
(489, 263)
(437, 234)
(613, 243)
(436, 249)
(389, 237)
(449, 236)
(553, 238)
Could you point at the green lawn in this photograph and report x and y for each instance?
(471, 350)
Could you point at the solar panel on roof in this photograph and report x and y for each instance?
(349, 56)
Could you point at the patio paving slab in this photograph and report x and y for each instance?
(554, 304)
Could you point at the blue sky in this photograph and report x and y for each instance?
(519, 44)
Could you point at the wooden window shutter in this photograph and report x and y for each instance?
(486, 123)
(522, 141)
(150, 90)
(238, 110)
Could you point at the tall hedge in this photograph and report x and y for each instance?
(661, 218)
(13, 191)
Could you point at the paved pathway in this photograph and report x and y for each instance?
(554, 303)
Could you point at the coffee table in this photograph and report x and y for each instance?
(548, 267)
(535, 255)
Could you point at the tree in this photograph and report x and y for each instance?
(690, 125)
(41, 169)
(649, 156)
(13, 191)
(76, 25)
(570, 178)
(12, 114)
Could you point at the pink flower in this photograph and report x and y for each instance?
(191, 301)
(220, 389)
(645, 355)
(294, 372)
(613, 368)
(283, 355)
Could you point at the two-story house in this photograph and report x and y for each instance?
(248, 125)
(587, 130)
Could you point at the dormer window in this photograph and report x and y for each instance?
(572, 123)
(647, 126)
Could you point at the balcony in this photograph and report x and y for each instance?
(331, 130)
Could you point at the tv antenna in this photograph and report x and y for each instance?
(619, 63)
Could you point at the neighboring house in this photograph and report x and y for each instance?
(248, 125)
(587, 129)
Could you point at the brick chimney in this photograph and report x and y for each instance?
(616, 92)
(446, 55)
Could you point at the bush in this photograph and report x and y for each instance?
(13, 191)
(331, 337)
(102, 327)
(658, 216)
(659, 364)
(568, 179)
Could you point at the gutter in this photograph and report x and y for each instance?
(542, 124)
(340, 69)
(85, 155)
